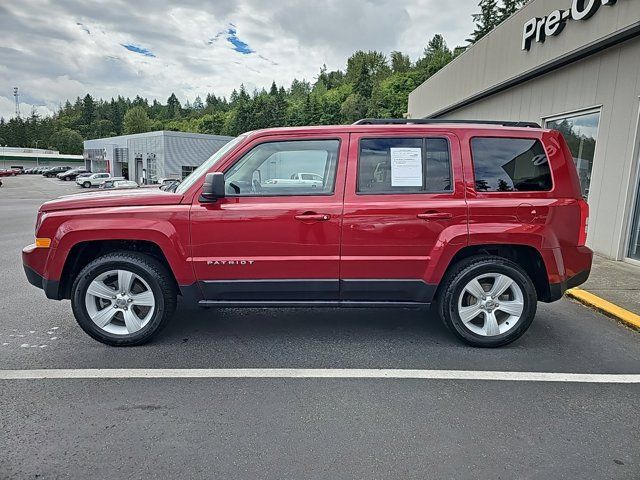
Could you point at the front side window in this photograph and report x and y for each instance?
(404, 165)
(510, 165)
(580, 132)
(299, 167)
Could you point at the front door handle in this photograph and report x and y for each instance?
(435, 216)
(313, 217)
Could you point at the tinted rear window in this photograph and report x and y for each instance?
(510, 164)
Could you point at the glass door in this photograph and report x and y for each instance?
(580, 130)
(634, 243)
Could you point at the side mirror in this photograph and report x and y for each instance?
(213, 187)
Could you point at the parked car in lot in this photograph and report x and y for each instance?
(302, 180)
(9, 172)
(95, 179)
(483, 240)
(118, 185)
(53, 171)
(168, 184)
(71, 174)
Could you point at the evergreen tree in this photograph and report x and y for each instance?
(486, 20)
(508, 8)
(173, 107)
(136, 120)
(400, 63)
(436, 56)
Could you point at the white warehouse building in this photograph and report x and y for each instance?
(148, 157)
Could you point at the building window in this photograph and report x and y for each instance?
(634, 244)
(510, 165)
(278, 168)
(152, 168)
(186, 170)
(580, 132)
(404, 165)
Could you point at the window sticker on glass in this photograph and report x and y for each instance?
(406, 167)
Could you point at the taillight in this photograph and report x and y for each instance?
(584, 222)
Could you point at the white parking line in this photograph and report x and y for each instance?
(111, 373)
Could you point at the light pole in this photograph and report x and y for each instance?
(37, 156)
(4, 159)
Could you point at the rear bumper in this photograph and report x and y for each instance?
(32, 257)
(556, 290)
(573, 269)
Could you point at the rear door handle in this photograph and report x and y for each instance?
(435, 216)
(313, 217)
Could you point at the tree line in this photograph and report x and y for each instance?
(371, 85)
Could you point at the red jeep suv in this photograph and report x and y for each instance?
(480, 219)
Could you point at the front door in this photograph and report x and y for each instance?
(276, 234)
(404, 206)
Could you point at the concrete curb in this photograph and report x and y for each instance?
(610, 309)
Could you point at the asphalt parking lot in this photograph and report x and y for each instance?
(329, 428)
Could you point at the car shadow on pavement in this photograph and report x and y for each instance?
(330, 324)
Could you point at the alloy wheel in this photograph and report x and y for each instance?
(120, 302)
(491, 304)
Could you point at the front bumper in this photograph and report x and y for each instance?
(31, 257)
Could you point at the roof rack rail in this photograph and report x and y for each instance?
(435, 121)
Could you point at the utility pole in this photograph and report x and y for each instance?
(16, 94)
(37, 154)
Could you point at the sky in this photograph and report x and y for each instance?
(60, 49)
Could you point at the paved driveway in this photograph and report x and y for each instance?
(291, 427)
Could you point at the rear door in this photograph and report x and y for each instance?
(404, 203)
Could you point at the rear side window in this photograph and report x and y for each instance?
(510, 165)
(404, 165)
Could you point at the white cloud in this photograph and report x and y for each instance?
(58, 50)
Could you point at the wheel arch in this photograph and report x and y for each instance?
(84, 252)
(526, 256)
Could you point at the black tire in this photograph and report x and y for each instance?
(152, 271)
(460, 275)
(66, 179)
(86, 185)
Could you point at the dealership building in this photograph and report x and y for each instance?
(148, 157)
(571, 65)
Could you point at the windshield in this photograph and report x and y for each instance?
(202, 169)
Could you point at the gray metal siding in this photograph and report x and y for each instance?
(172, 150)
(188, 151)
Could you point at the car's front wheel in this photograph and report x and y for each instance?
(86, 184)
(487, 301)
(123, 299)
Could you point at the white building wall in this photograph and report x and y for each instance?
(609, 80)
(496, 80)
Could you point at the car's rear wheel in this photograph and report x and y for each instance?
(86, 184)
(123, 299)
(487, 301)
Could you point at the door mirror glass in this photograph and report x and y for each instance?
(213, 187)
